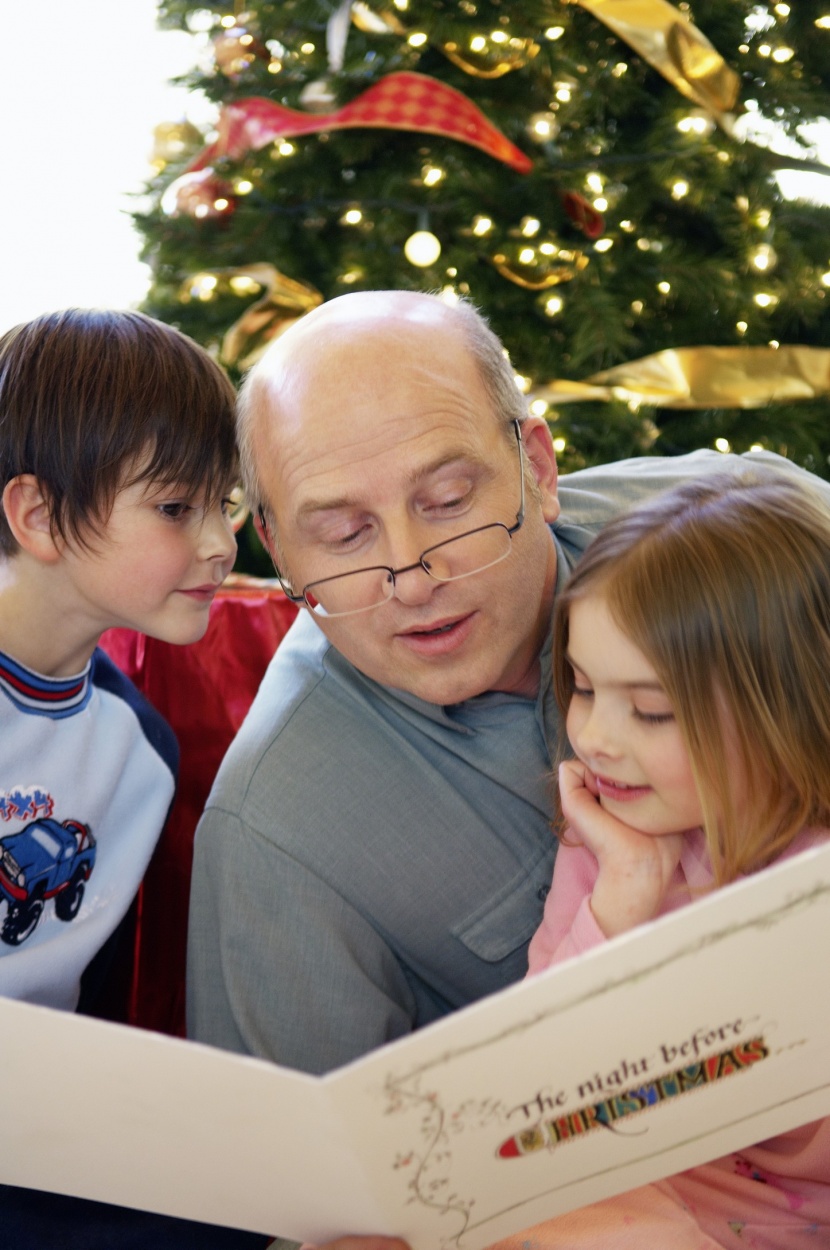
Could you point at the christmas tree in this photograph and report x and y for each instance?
(601, 179)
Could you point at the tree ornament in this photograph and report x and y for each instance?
(235, 49)
(583, 214)
(200, 194)
(491, 56)
(705, 377)
(401, 101)
(374, 23)
(422, 249)
(537, 266)
(283, 301)
(174, 140)
(662, 35)
(318, 96)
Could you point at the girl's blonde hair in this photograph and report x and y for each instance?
(724, 585)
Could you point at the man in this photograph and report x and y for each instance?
(376, 849)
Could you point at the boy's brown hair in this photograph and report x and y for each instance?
(94, 400)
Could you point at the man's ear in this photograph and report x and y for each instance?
(28, 511)
(538, 445)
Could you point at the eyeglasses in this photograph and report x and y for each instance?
(363, 589)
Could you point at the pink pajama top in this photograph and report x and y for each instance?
(772, 1196)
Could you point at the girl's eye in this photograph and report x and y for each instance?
(582, 692)
(654, 718)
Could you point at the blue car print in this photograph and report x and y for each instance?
(45, 860)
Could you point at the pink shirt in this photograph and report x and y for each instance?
(772, 1196)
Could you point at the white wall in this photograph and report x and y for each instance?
(82, 84)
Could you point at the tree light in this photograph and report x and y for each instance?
(422, 248)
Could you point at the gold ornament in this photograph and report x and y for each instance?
(284, 300)
(539, 264)
(372, 23)
(200, 193)
(491, 56)
(174, 140)
(705, 377)
(664, 37)
(236, 49)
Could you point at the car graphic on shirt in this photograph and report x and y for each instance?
(46, 859)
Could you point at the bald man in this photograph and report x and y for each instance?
(376, 849)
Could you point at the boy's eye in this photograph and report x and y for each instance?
(175, 511)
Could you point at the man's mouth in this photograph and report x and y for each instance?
(439, 639)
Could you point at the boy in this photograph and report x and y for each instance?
(117, 453)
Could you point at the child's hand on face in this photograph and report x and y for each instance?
(635, 868)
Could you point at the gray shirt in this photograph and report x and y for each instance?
(369, 862)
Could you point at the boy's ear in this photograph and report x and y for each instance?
(28, 511)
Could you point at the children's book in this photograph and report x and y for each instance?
(693, 1036)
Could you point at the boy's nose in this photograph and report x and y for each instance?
(218, 541)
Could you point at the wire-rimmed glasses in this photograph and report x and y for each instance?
(360, 590)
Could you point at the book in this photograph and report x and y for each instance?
(685, 1039)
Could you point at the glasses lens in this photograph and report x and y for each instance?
(467, 554)
(350, 592)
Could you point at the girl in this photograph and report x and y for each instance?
(692, 669)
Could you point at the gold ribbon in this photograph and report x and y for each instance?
(704, 377)
(285, 300)
(659, 32)
(665, 37)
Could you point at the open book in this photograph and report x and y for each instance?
(693, 1036)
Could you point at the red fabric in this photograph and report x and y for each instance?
(400, 101)
(204, 692)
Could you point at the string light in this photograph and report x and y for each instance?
(764, 258)
(482, 225)
(765, 300)
(722, 445)
(553, 305)
(559, 445)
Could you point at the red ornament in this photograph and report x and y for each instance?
(583, 214)
(200, 194)
(403, 101)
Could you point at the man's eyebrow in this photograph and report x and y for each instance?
(312, 507)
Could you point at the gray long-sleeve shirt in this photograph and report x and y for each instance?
(369, 862)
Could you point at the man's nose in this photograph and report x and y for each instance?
(413, 585)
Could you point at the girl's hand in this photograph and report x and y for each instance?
(635, 868)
